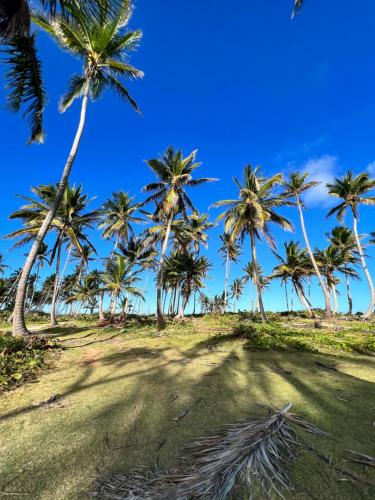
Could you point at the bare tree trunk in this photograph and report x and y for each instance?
(19, 325)
(159, 308)
(226, 283)
(371, 306)
(56, 283)
(303, 300)
(258, 287)
(313, 261)
(113, 306)
(350, 300)
(335, 303)
(101, 313)
(286, 296)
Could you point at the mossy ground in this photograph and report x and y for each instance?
(120, 390)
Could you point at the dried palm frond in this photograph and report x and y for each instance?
(360, 458)
(253, 452)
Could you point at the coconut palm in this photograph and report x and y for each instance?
(230, 251)
(3, 266)
(96, 276)
(192, 232)
(103, 45)
(174, 173)
(236, 291)
(296, 267)
(83, 291)
(84, 255)
(352, 190)
(295, 186)
(254, 274)
(343, 238)
(331, 260)
(118, 217)
(252, 214)
(69, 223)
(119, 277)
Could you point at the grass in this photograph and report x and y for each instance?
(120, 389)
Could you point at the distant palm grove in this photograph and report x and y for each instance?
(158, 237)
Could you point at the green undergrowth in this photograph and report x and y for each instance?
(22, 359)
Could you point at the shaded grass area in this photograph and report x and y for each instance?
(120, 391)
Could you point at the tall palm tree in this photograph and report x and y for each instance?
(352, 190)
(252, 214)
(254, 273)
(236, 291)
(118, 215)
(296, 267)
(230, 251)
(83, 291)
(103, 45)
(295, 186)
(84, 256)
(174, 174)
(192, 232)
(69, 223)
(343, 238)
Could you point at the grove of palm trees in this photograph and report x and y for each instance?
(187, 310)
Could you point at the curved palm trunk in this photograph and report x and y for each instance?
(159, 306)
(258, 287)
(226, 283)
(304, 302)
(19, 325)
(335, 302)
(350, 300)
(371, 306)
(313, 261)
(56, 284)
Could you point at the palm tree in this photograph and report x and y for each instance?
(96, 276)
(85, 290)
(230, 252)
(331, 260)
(294, 187)
(119, 277)
(84, 256)
(236, 291)
(254, 273)
(69, 223)
(296, 267)
(252, 214)
(2, 265)
(103, 44)
(174, 173)
(343, 238)
(352, 190)
(118, 215)
(192, 232)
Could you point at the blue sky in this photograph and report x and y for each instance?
(239, 81)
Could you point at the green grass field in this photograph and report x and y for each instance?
(120, 389)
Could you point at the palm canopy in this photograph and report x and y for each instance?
(175, 174)
(118, 215)
(103, 44)
(137, 252)
(192, 231)
(70, 221)
(296, 264)
(296, 184)
(352, 190)
(255, 208)
(229, 249)
(331, 260)
(119, 276)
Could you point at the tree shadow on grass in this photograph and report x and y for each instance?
(132, 414)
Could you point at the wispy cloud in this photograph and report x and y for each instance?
(371, 168)
(324, 170)
(300, 151)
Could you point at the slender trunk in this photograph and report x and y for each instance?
(291, 300)
(113, 306)
(286, 296)
(194, 301)
(226, 283)
(56, 283)
(313, 261)
(350, 300)
(258, 287)
(335, 303)
(101, 313)
(19, 325)
(371, 306)
(144, 291)
(303, 300)
(159, 307)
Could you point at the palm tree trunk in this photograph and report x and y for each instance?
(101, 313)
(56, 283)
(350, 300)
(226, 283)
(258, 287)
(335, 303)
(113, 306)
(371, 306)
(303, 300)
(286, 296)
(19, 325)
(313, 261)
(159, 307)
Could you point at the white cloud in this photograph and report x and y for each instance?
(371, 168)
(324, 170)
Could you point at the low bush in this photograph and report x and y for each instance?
(22, 358)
